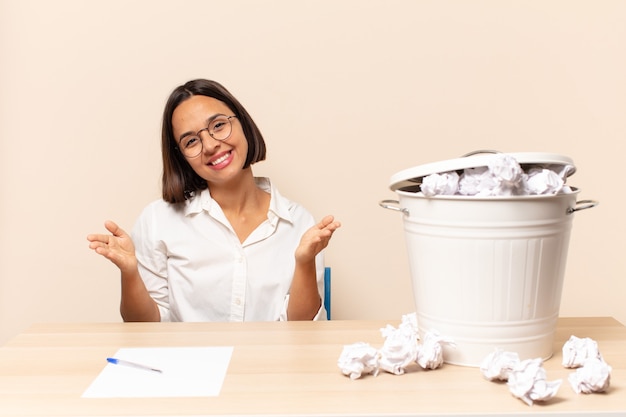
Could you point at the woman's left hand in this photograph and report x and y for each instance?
(316, 238)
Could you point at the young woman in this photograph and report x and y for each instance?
(221, 245)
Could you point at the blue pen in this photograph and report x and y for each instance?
(123, 362)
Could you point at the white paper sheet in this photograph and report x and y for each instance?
(187, 372)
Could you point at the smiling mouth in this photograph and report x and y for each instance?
(220, 159)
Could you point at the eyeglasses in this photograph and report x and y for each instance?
(220, 127)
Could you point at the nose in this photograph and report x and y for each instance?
(209, 143)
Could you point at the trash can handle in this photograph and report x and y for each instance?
(582, 205)
(479, 151)
(393, 205)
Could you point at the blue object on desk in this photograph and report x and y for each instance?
(327, 291)
(130, 364)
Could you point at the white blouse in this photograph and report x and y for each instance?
(195, 268)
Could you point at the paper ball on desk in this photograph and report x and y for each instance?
(527, 381)
(593, 376)
(358, 359)
(430, 352)
(576, 351)
(499, 364)
(399, 349)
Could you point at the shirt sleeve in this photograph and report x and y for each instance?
(152, 260)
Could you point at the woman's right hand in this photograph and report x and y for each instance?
(116, 247)
(136, 303)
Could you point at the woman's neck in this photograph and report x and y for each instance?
(243, 203)
(238, 195)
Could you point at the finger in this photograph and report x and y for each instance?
(108, 254)
(98, 238)
(325, 221)
(332, 225)
(114, 228)
(96, 244)
(102, 250)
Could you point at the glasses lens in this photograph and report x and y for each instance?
(220, 128)
(191, 146)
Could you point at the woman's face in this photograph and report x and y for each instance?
(219, 161)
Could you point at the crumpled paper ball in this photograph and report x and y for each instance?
(430, 352)
(528, 382)
(502, 177)
(543, 182)
(477, 181)
(498, 365)
(446, 183)
(399, 349)
(358, 359)
(593, 376)
(508, 175)
(576, 351)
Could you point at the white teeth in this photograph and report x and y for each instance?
(221, 159)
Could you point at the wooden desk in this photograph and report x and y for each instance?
(283, 368)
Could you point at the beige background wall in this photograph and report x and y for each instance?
(346, 92)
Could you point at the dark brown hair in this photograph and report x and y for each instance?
(179, 180)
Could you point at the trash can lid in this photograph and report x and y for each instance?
(414, 175)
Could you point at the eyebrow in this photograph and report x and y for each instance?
(207, 121)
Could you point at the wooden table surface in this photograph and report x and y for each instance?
(283, 368)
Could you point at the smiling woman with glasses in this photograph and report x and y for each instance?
(221, 244)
